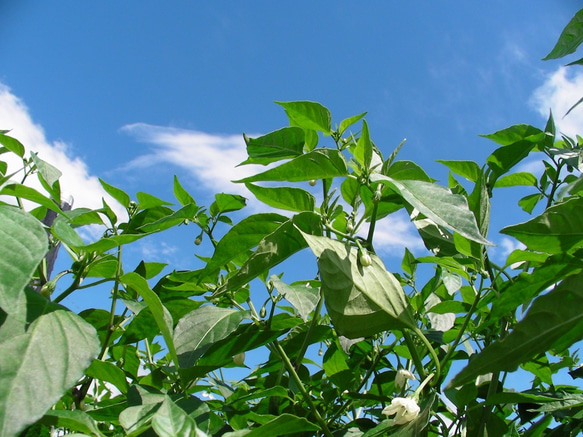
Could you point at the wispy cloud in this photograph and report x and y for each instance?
(559, 92)
(76, 181)
(208, 158)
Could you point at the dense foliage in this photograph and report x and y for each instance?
(401, 353)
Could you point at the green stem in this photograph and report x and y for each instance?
(432, 353)
(414, 354)
(292, 371)
(74, 286)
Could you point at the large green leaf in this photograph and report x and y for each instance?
(570, 39)
(23, 244)
(242, 237)
(308, 115)
(303, 297)
(201, 328)
(280, 144)
(75, 420)
(468, 169)
(284, 424)
(161, 314)
(109, 372)
(170, 420)
(287, 198)
(275, 248)
(557, 230)
(505, 158)
(360, 300)
(515, 134)
(118, 194)
(12, 144)
(29, 193)
(317, 164)
(439, 204)
(40, 365)
(554, 320)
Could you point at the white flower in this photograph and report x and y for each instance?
(406, 409)
(401, 379)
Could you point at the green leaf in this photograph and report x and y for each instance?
(136, 419)
(181, 194)
(438, 204)
(168, 221)
(557, 230)
(23, 244)
(161, 315)
(574, 106)
(468, 169)
(275, 248)
(242, 237)
(50, 173)
(347, 122)
(284, 424)
(303, 297)
(515, 179)
(554, 320)
(515, 134)
(12, 144)
(62, 230)
(76, 420)
(147, 201)
(571, 37)
(227, 203)
(281, 144)
(199, 329)
(506, 157)
(121, 196)
(34, 376)
(318, 164)
(361, 301)
(170, 420)
(109, 372)
(287, 198)
(308, 115)
(28, 193)
(363, 150)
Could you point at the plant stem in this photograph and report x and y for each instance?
(414, 354)
(432, 353)
(292, 371)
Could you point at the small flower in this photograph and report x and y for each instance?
(406, 409)
(401, 379)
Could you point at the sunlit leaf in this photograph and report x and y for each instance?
(118, 194)
(108, 372)
(170, 421)
(286, 198)
(76, 420)
(12, 144)
(570, 38)
(363, 150)
(468, 169)
(308, 115)
(303, 297)
(23, 244)
(280, 144)
(284, 424)
(439, 204)
(34, 376)
(318, 164)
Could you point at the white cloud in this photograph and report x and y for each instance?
(76, 180)
(559, 92)
(395, 233)
(210, 159)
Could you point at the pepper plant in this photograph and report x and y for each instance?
(406, 352)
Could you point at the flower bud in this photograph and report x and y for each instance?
(312, 182)
(365, 259)
(239, 359)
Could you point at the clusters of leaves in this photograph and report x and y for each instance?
(152, 364)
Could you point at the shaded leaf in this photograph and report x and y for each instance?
(559, 229)
(199, 329)
(284, 424)
(109, 372)
(170, 420)
(554, 320)
(76, 420)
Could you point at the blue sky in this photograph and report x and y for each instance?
(137, 91)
